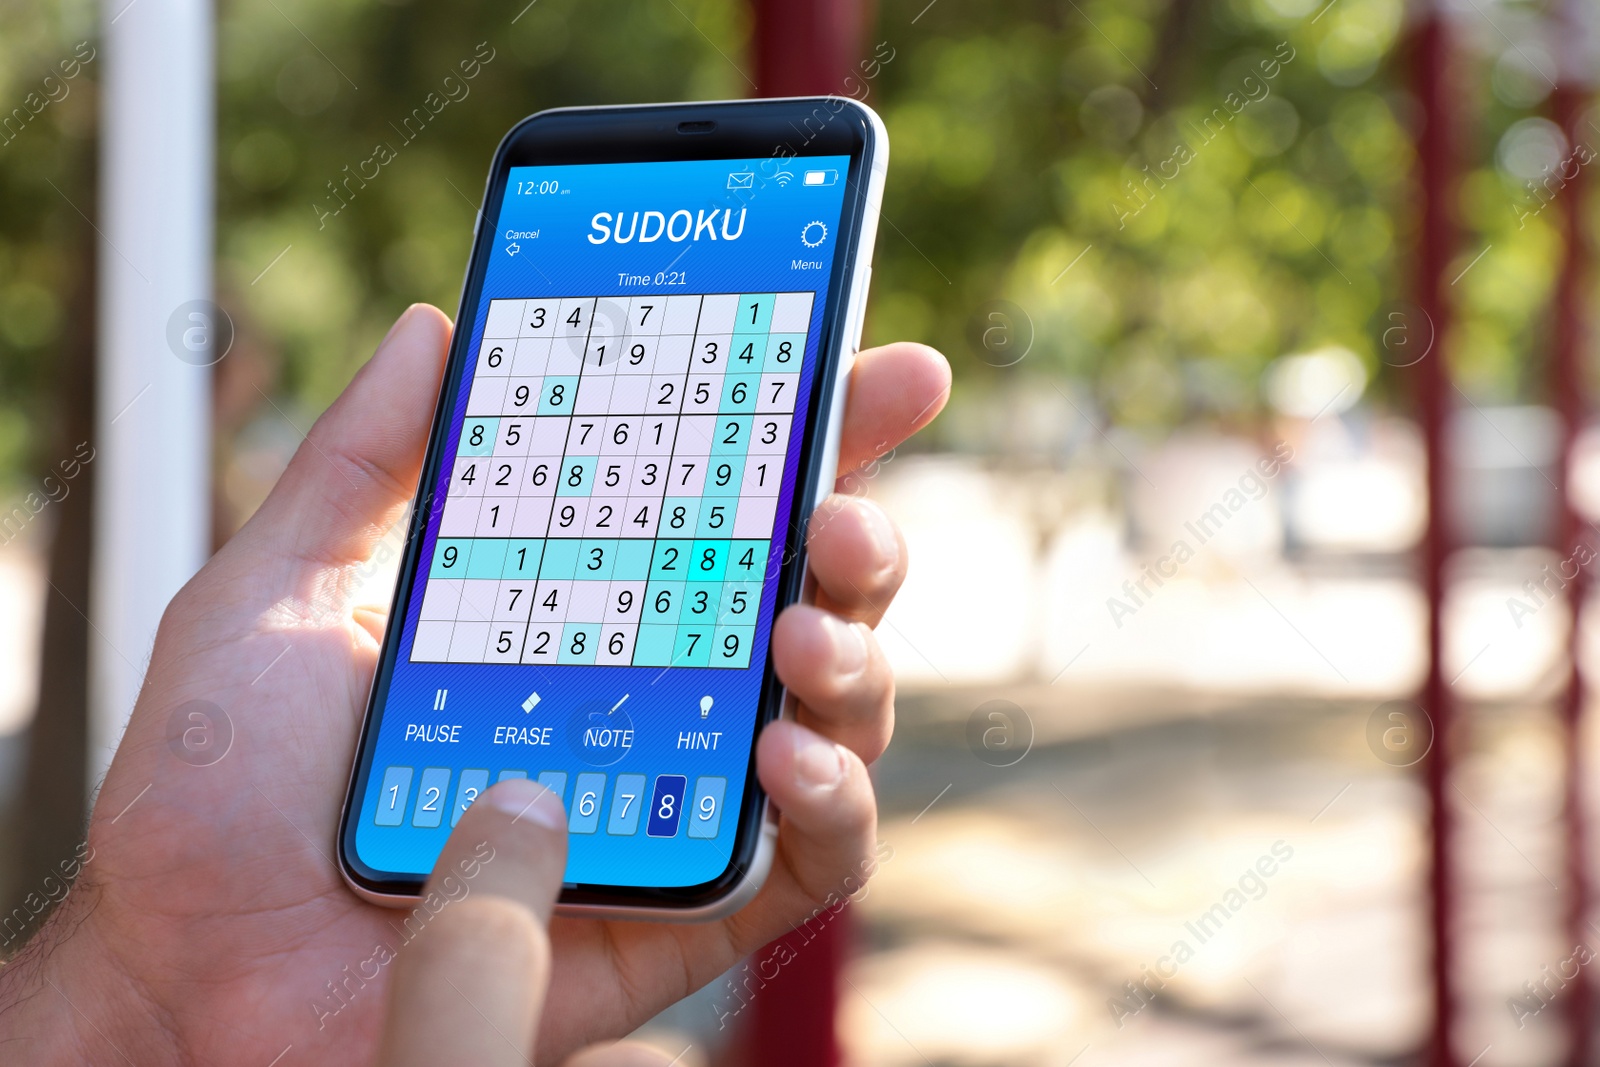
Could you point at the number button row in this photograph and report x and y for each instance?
(628, 799)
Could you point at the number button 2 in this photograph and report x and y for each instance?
(431, 797)
(666, 805)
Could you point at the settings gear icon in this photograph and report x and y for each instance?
(819, 229)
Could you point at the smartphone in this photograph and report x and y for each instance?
(641, 408)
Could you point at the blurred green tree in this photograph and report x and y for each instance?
(1175, 191)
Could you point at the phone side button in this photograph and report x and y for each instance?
(860, 310)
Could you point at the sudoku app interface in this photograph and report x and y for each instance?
(596, 582)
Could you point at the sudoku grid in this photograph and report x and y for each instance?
(614, 489)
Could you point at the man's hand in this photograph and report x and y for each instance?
(211, 924)
(472, 989)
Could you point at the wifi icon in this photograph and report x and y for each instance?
(783, 178)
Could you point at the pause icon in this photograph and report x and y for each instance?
(439, 698)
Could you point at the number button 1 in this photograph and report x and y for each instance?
(393, 797)
(666, 805)
(430, 797)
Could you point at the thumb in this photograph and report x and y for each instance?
(470, 988)
(357, 469)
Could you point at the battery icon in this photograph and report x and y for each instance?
(821, 177)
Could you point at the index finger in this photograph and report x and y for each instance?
(895, 391)
(470, 976)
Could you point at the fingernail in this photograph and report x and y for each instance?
(849, 645)
(526, 799)
(881, 529)
(818, 762)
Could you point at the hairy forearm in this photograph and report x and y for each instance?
(64, 999)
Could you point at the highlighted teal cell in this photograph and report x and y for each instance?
(579, 641)
(693, 646)
(739, 392)
(708, 562)
(653, 647)
(450, 556)
(671, 562)
(732, 435)
(716, 517)
(560, 558)
(662, 601)
(633, 561)
(477, 437)
(754, 313)
(678, 515)
(724, 476)
(488, 558)
(700, 602)
(577, 476)
(596, 559)
(739, 604)
(522, 557)
(730, 646)
(746, 352)
(747, 560)
(784, 352)
(556, 396)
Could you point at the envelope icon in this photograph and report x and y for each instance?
(743, 179)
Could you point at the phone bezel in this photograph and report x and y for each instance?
(766, 129)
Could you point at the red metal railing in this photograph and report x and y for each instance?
(803, 48)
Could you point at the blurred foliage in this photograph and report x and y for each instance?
(1027, 139)
(46, 177)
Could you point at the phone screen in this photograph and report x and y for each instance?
(596, 581)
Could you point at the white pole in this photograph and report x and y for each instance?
(153, 413)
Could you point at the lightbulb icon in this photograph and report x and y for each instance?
(705, 707)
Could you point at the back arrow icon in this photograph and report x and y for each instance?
(513, 248)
